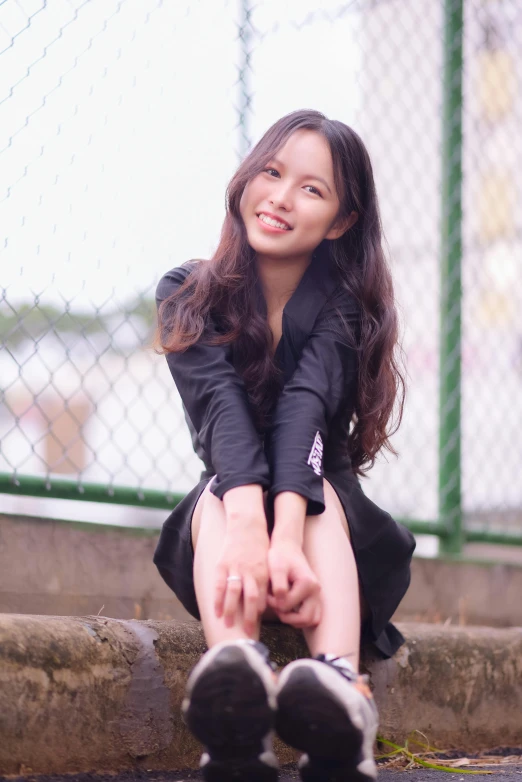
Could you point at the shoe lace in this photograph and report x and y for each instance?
(344, 666)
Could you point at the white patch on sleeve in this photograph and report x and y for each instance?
(315, 459)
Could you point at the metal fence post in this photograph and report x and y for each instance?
(244, 97)
(450, 499)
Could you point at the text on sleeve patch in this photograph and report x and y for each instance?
(315, 459)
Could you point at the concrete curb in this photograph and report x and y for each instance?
(97, 694)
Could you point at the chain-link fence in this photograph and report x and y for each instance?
(121, 123)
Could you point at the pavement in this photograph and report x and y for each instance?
(507, 765)
(504, 762)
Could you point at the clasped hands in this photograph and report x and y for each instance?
(255, 571)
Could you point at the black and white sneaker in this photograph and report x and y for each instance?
(326, 709)
(230, 706)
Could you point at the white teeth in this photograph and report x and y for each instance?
(275, 223)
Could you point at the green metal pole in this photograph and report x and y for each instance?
(486, 536)
(450, 500)
(244, 97)
(63, 489)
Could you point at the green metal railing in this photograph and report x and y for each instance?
(63, 489)
(450, 498)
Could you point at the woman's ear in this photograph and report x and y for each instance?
(340, 228)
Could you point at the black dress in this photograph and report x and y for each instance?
(303, 446)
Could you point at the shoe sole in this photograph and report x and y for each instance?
(310, 719)
(228, 710)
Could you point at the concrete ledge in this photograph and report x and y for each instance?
(76, 568)
(98, 694)
(68, 568)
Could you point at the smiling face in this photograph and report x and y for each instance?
(292, 205)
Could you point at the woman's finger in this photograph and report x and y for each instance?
(299, 591)
(294, 620)
(234, 590)
(221, 588)
(250, 603)
(262, 599)
(307, 615)
(304, 613)
(279, 581)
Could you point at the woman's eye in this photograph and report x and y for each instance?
(276, 172)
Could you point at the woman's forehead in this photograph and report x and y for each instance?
(306, 149)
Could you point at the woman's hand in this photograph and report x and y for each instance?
(244, 555)
(296, 592)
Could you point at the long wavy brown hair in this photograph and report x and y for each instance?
(224, 292)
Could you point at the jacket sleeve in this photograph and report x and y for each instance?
(216, 402)
(325, 380)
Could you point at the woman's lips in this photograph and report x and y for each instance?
(272, 228)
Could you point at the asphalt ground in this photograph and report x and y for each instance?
(507, 774)
(504, 762)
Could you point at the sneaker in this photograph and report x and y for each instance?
(326, 709)
(230, 706)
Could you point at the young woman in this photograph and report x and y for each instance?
(282, 347)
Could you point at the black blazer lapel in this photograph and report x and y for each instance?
(316, 286)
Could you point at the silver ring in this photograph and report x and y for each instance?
(234, 578)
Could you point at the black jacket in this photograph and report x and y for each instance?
(306, 441)
(320, 381)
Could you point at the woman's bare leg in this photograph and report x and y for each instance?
(208, 532)
(328, 549)
(310, 694)
(241, 688)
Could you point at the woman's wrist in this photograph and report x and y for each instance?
(244, 506)
(289, 517)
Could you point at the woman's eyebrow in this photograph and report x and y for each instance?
(306, 176)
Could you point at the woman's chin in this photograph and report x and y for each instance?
(265, 247)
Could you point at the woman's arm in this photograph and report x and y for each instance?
(216, 402)
(325, 379)
(289, 518)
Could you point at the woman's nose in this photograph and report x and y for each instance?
(281, 198)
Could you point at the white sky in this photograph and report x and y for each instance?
(119, 131)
